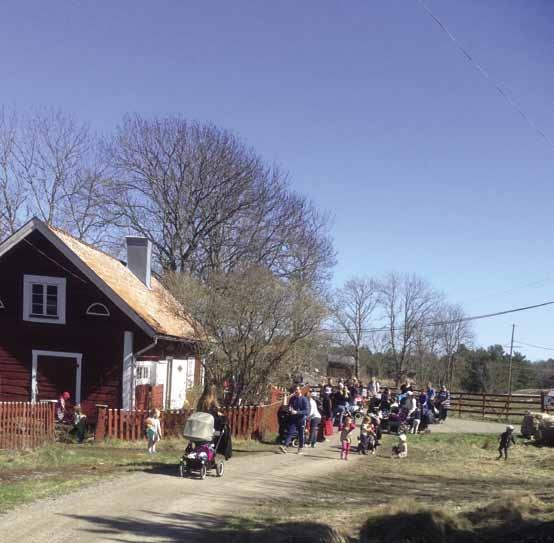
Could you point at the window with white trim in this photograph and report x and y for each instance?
(44, 299)
(98, 309)
(143, 374)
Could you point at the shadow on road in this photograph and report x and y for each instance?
(204, 528)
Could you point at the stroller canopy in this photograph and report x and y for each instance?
(199, 427)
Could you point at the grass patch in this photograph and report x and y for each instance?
(29, 475)
(450, 488)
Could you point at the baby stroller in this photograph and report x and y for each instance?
(356, 410)
(202, 453)
(283, 417)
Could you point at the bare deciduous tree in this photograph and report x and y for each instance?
(425, 353)
(408, 302)
(209, 203)
(86, 199)
(353, 307)
(51, 167)
(452, 332)
(50, 149)
(12, 190)
(254, 320)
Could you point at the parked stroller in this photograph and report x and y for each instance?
(283, 418)
(203, 452)
(356, 410)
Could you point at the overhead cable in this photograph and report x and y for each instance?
(536, 346)
(61, 266)
(443, 323)
(509, 100)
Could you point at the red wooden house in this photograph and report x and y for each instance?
(73, 318)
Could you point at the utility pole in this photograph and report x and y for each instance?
(511, 356)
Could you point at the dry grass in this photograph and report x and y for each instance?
(29, 475)
(451, 488)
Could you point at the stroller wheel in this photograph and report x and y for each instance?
(220, 468)
(203, 471)
(295, 443)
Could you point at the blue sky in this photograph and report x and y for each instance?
(368, 105)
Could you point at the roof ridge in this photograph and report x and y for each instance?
(86, 243)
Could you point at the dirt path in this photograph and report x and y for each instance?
(464, 426)
(164, 508)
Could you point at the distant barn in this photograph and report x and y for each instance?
(340, 366)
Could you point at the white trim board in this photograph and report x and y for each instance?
(101, 306)
(78, 358)
(37, 224)
(60, 282)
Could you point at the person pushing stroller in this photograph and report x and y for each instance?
(299, 409)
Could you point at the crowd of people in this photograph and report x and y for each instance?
(377, 408)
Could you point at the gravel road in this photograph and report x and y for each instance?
(463, 426)
(161, 507)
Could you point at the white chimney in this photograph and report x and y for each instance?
(139, 258)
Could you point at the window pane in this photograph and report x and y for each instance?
(52, 290)
(37, 299)
(52, 309)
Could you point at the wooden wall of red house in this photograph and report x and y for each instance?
(99, 339)
(197, 370)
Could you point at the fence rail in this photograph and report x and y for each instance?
(249, 422)
(24, 425)
(497, 405)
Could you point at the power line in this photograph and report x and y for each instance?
(443, 323)
(61, 266)
(509, 100)
(536, 346)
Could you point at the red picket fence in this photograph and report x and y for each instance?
(250, 422)
(24, 425)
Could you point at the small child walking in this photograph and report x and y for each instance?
(416, 420)
(505, 440)
(401, 449)
(153, 430)
(368, 436)
(79, 423)
(346, 430)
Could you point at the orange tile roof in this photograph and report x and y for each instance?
(156, 306)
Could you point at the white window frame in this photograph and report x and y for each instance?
(79, 360)
(93, 310)
(28, 281)
(140, 365)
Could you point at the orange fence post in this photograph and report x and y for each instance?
(100, 423)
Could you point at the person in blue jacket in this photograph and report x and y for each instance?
(299, 409)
